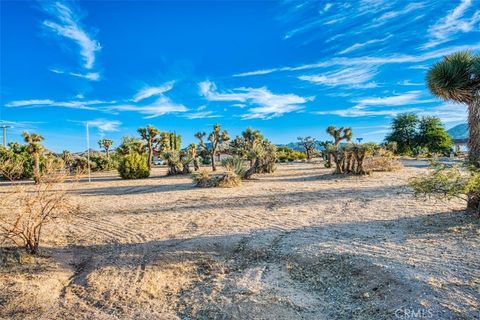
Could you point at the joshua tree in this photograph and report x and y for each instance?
(149, 134)
(216, 138)
(35, 148)
(192, 151)
(105, 144)
(457, 78)
(15, 147)
(309, 144)
(337, 134)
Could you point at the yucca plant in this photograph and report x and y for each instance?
(457, 78)
(235, 164)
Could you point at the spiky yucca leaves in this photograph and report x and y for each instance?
(457, 78)
(234, 164)
(177, 162)
(35, 148)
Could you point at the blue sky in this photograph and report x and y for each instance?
(287, 68)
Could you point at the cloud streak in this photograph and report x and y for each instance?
(153, 91)
(263, 104)
(452, 24)
(67, 25)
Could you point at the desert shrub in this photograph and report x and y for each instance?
(103, 163)
(178, 162)
(24, 213)
(229, 179)
(382, 163)
(203, 179)
(134, 166)
(382, 159)
(11, 160)
(288, 154)
(448, 182)
(235, 165)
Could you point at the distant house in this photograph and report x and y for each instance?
(460, 144)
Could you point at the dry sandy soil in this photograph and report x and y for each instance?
(297, 244)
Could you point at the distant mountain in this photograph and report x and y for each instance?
(459, 132)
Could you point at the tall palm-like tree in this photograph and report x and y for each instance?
(35, 148)
(457, 78)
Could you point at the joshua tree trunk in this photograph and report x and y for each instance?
(214, 168)
(36, 172)
(474, 131)
(150, 154)
(106, 152)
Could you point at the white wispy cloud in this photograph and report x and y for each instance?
(153, 91)
(94, 76)
(382, 106)
(357, 46)
(408, 98)
(395, 13)
(447, 112)
(359, 111)
(75, 104)
(356, 77)
(369, 60)
(68, 25)
(161, 106)
(453, 23)
(409, 83)
(104, 125)
(263, 104)
(201, 115)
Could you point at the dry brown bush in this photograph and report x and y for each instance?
(382, 163)
(25, 211)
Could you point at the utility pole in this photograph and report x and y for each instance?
(88, 153)
(5, 134)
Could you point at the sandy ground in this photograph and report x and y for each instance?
(297, 244)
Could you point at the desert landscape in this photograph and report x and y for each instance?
(299, 243)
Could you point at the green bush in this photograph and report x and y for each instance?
(134, 166)
(290, 155)
(103, 163)
(22, 158)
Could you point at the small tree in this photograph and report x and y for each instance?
(404, 133)
(34, 148)
(105, 144)
(433, 136)
(149, 135)
(309, 144)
